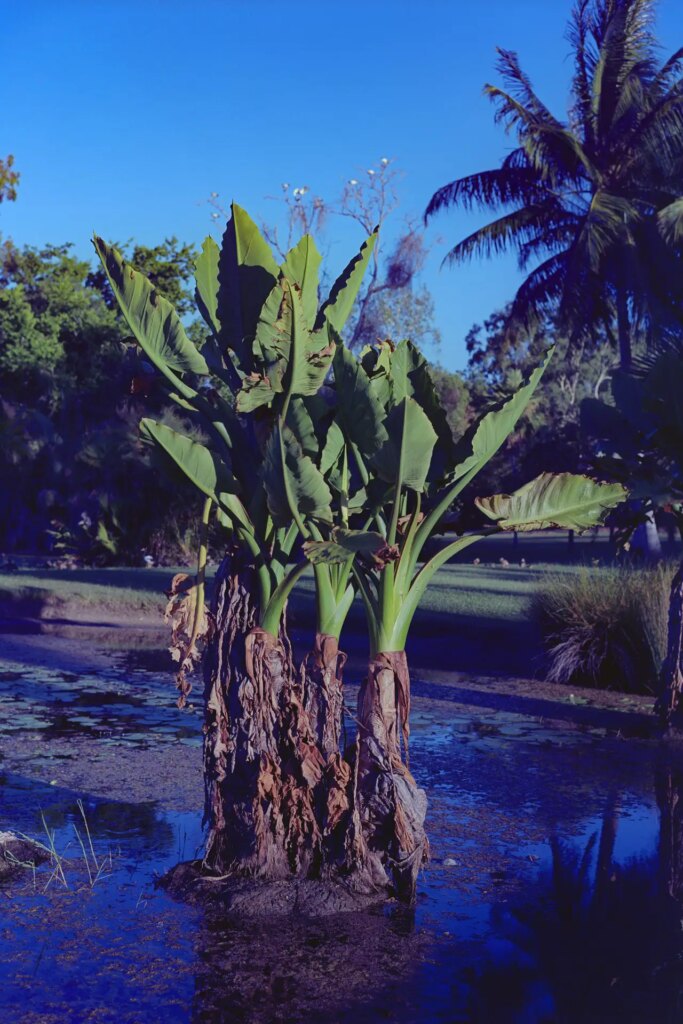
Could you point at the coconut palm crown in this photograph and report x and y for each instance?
(592, 204)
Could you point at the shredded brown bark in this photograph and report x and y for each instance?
(190, 630)
(392, 806)
(283, 799)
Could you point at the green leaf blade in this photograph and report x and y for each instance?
(565, 501)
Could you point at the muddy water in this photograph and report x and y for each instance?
(555, 892)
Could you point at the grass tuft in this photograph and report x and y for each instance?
(605, 629)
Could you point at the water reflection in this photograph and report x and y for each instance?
(597, 940)
(563, 904)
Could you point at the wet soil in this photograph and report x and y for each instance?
(556, 848)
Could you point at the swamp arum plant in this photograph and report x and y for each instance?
(351, 458)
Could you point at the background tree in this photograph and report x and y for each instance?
(548, 437)
(595, 198)
(70, 459)
(392, 302)
(637, 434)
(9, 179)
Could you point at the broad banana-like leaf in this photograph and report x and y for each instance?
(206, 283)
(337, 308)
(332, 449)
(300, 422)
(200, 465)
(151, 318)
(406, 454)
(344, 544)
(410, 378)
(290, 359)
(566, 501)
(292, 480)
(360, 414)
(247, 273)
(301, 267)
(376, 361)
(256, 391)
(483, 439)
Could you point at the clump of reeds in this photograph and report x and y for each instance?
(606, 628)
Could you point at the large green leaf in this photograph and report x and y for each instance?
(300, 422)
(301, 267)
(564, 500)
(410, 378)
(294, 485)
(343, 545)
(406, 454)
(333, 448)
(337, 309)
(200, 465)
(247, 273)
(289, 359)
(151, 318)
(483, 439)
(359, 412)
(206, 283)
(376, 361)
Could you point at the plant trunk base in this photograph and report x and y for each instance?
(392, 806)
(244, 897)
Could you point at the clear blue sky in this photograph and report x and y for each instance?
(124, 116)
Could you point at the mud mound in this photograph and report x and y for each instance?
(247, 897)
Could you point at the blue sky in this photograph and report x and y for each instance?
(124, 116)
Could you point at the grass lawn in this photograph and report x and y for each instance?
(488, 590)
(460, 588)
(472, 617)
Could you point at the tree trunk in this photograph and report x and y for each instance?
(337, 807)
(669, 787)
(624, 328)
(323, 694)
(392, 807)
(262, 763)
(669, 703)
(645, 541)
(282, 799)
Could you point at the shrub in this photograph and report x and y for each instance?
(606, 628)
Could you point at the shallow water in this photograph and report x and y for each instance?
(555, 892)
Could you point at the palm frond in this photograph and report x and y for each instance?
(553, 238)
(585, 58)
(520, 87)
(487, 189)
(538, 294)
(607, 226)
(670, 222)
(497, 236)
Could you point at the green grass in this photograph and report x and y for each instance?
(488, 591)
(123, 591)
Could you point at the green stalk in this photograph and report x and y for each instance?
(371, 610)
(264, 580)
(431, 520)
(273, 611)
(419, 584)
(201, 570)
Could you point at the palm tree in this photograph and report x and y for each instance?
(594, 202)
